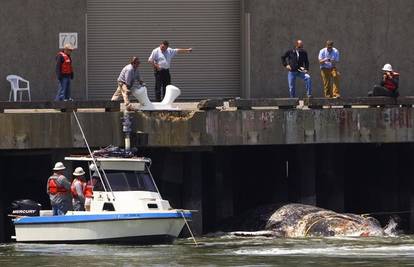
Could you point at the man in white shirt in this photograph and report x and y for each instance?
(328, 58)
(160, 59)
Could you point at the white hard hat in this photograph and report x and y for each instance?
(387, 67)
(59, 166)
(78, 171)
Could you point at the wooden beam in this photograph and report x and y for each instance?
(356, 101)
(64, 106)
(264, 102)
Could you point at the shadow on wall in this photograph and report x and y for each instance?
(23, 177)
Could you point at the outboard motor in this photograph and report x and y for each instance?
(25, 207)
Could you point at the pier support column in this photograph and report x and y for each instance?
(3, 212)
(406, 185)
(193, 191)
(301, 175)
(168, 171)
(411, 203)
(217, 189)
(330, 177)
(223, 188)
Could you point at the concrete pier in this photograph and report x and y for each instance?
(215, 127)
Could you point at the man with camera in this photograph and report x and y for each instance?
(389, 83)
(328, 58)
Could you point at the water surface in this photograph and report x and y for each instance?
(221, 251)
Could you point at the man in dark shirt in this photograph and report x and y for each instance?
(64, 73)
(296, 62)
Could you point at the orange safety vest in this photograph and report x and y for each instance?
(54, 187)
(73, 187)
(66, 67)
(88, 192)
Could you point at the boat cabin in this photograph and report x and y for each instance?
(123, 184)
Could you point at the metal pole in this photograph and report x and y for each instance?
(90, 153)
(152, 178)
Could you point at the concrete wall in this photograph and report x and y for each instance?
(368, 33)
(30, 41)
(211, 128)
(59, 130)
(277, 126)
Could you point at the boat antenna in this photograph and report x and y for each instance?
(91, 154)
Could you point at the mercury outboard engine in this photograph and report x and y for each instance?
(25, 207)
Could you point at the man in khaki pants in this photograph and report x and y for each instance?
(126, 79)
(328, 57)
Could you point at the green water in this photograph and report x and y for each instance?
(221, 251)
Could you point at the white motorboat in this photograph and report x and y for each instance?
(126, 208)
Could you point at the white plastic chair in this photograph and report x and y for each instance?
(15, 80)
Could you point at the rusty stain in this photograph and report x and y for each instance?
(267, 119)
(267, 116)
(399, 119)
(408, 118)
(404, 118)
(226, 130)
(170, 116)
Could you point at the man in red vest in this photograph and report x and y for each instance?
(64, 73)
(58, 189)
(77, 189)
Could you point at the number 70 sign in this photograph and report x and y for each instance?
(68, 38)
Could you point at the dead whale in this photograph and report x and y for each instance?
(298, 220)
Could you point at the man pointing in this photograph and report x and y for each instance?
(160, 59)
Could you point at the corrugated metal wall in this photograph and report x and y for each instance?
(120, 29)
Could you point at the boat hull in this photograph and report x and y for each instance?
(115, 228)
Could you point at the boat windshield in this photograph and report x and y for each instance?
(128, 181)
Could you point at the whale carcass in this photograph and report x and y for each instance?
(298, 220)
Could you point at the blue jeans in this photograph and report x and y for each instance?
(292, 82)
(57, 211)
(63, 89)
(62, 206)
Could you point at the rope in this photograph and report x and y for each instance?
(189, 229)
(365, 215)
(386, 212)
(342, 216)
(318, 220)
